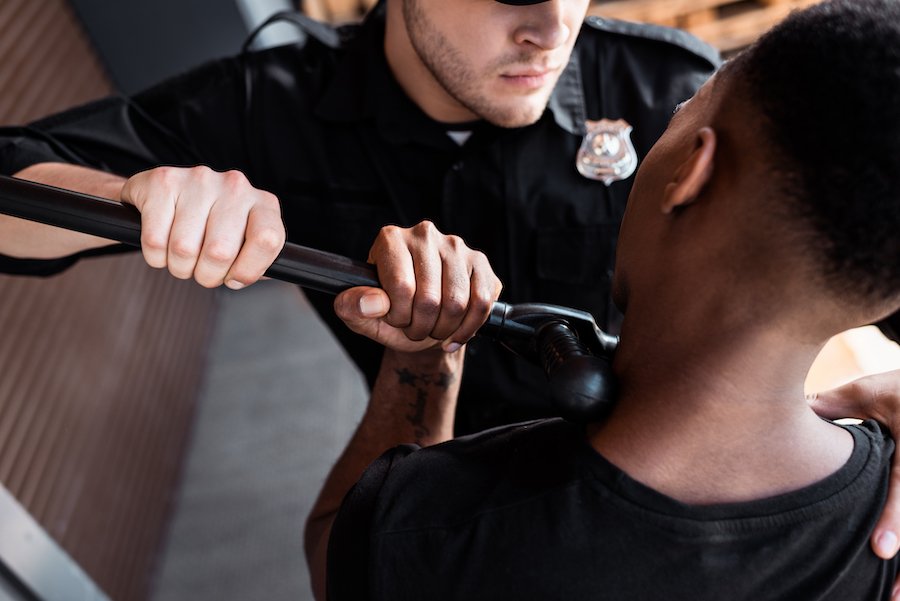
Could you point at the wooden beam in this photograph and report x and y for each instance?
(741, 24)
(737, 31)
(651, 11)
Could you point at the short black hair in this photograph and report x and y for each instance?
(826, 81)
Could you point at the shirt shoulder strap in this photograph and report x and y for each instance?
(667, 35)
(322, 32)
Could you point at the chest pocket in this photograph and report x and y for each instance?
(338, 218)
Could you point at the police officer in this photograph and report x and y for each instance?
(471, 115)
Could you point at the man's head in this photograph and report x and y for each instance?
(465, 60)
(781, 178)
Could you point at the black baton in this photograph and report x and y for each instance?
(574, 352)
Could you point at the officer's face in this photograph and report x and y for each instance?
(492, 60)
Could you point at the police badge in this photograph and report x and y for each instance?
(606, 153)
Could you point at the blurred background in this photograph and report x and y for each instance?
(163, 442)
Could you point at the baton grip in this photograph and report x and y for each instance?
(308, 267)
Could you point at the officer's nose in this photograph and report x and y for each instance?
(543, 25)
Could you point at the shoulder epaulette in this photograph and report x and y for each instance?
(322, 32)
(668, 35)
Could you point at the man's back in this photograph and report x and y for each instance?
(533, 512)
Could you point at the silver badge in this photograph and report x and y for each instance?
(606, 153)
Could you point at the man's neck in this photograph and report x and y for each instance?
(413, 76)
(711, 418)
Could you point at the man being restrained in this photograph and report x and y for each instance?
(762, 223)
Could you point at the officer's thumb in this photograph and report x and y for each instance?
(361, 304)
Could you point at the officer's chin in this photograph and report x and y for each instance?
(513, 119)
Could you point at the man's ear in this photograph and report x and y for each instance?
(693, 174)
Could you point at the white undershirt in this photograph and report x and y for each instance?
(460, 137)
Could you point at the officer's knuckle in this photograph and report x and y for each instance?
(497, 286)
(481, 264)
(207, 281)
(182, 249)
(164, 177)
(456, 243)
(400, 288)
(219, 252)
(243, 275)
(387, 237)
(455, 305)
(181, 274)
(234, 180)
(155, 261)
(388, 231)
(269, 239)
(200, 172)
(489, 292)
(269, 201)
(428, 303)
(152, 241)
(424, 229)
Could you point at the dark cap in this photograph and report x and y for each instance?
(521, 2)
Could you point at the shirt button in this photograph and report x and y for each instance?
(457, 166)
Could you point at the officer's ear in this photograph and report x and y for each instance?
(693, 174)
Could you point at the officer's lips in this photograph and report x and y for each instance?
(530, 78)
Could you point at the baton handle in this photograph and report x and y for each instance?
(308, 267)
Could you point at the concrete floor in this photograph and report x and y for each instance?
(280, 401)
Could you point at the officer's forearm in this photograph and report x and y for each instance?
(29, 239)
(413, 401)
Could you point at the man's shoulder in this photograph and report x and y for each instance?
(316, 39)
(669, 41)
(501, 444)
(458, 480)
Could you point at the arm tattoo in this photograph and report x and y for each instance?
(421, 382)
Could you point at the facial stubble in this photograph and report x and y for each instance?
(458, 79)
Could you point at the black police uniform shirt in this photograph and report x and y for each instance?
(325, 127)
(533, 512)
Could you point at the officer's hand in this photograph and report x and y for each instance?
(874, 397)
(436, 291)
(213, 227)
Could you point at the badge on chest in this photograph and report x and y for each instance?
(606, 153)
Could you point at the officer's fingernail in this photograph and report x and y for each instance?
(886, 543)
(452, 347)
(371, 305)
(234, 284)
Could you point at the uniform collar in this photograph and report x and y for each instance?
(567, 100)
(346, 98)
(364, 88)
